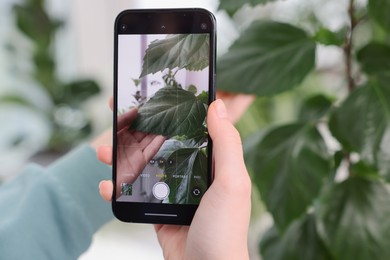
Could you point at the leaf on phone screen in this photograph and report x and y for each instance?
(186, 171)
(188, 51)
(170, 112)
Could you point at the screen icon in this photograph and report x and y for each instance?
(161, 190)
(196, 191)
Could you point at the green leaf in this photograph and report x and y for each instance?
(188, 51)
(327, 37)
(300, 241)
(33, 20)
(379, 10)
(291, 164)
(353, 219)
(77, 92)
(204, 97)
(315, 107)
(271, 246)
(268, 58)
(186, 170)
(170, 112)
(375, 60)
(362, 124)
(232, 6)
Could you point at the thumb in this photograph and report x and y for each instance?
(227, 148)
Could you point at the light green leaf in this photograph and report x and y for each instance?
(232, 6)
(291, 164)
(362, 124)
(379, 10)
(188, 51)
(171, 111)
(315, 107)
(354, 219)
(268, 58)
(186, 170)
(328, 37)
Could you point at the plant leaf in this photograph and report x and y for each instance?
(232, 6)
(300, 241)
(379, 10)
(291, 164)
(315, 107)
(271, 246)
(327, 37)
(369, 134)
(186, 170)
(353, 219)
(188, 51)
(374, 59)
(268, 58)
(77, 92)
(171, 111)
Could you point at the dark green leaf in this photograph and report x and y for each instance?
(362, 124)
(268, 58)
(186, 170)
(188, 51)
(300, 241)
(379, 10)
(375, 61)
(33, 20)
(327, 37)
(315, 107)
(77, 92)
(338, 158)
(291, 164)
(271, 246)
(354, 219)
(171, 111)
(232, 6)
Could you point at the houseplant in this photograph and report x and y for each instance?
(326, 202)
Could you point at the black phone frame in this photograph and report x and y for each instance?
(161, 21)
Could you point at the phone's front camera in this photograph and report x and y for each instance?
(163, 27)
(123, 27)
(203, 26)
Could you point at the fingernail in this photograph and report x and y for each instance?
(221, 108)
(100, 184)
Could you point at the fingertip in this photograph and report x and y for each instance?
(104, 154)
(105, 190)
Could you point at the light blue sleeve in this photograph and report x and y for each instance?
(52, 213)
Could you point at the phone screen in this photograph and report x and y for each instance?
(164, 84)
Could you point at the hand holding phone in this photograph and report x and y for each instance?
(219, 229)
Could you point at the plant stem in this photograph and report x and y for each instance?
(348, 47)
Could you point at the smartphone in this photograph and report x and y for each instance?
(164, 81)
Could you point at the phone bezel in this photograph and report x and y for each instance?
(150, 21)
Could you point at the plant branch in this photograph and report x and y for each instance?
(348, 46)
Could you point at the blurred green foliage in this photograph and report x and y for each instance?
(326, 202)
(69, 122)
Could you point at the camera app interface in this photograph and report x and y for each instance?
(162, 100)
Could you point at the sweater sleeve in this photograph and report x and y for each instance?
(52, 213)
